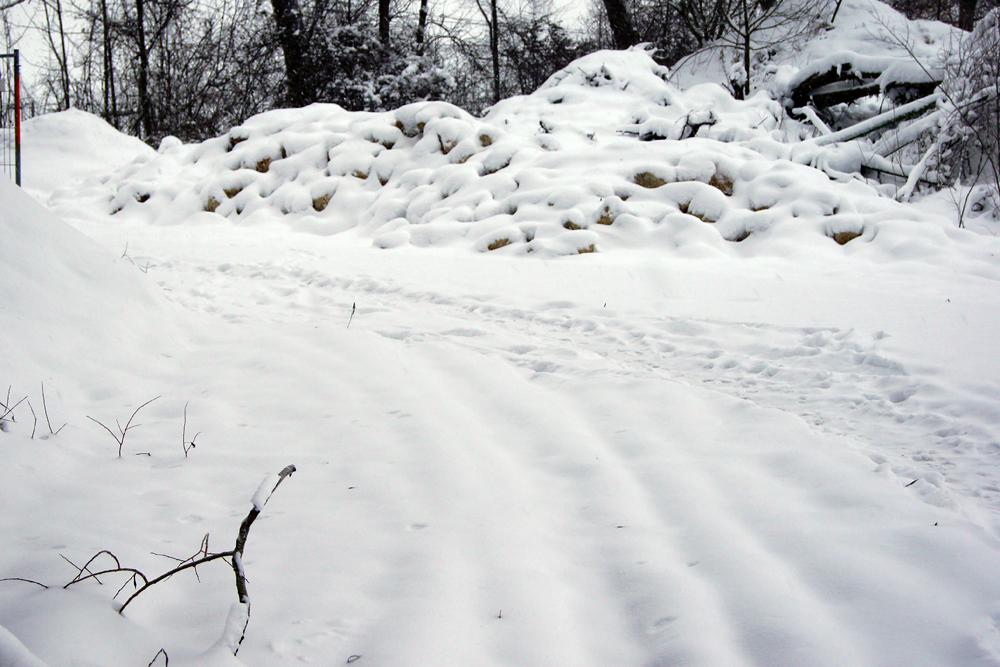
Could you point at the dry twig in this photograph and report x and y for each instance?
(120, 438)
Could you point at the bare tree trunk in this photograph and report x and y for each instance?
(621, 25)
(966, 14)
(495, 51)
(383, 22)
(421, 27)
(288, 17)
(744, 90)
(110, 99)
(493, 25)
(65, 58)
(58, 50)
(145, 119)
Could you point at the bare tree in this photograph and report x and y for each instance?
(491, 17)
(55, 34)
(621, 24)
(675, 28)
(960, 13)
(110, 97)
(760, 26)
(383, 22)
(421, 27)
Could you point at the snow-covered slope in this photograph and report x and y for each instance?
(680, 449)
(64, 300)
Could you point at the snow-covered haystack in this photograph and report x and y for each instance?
(606, 154)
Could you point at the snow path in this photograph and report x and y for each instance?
(664, 322)
(492, 475)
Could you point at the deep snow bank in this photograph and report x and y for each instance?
(66, 302)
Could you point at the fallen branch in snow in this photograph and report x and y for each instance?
(810, 115)
(259, 499)
(94, 575)
(27, 581)
(166, 658)
(239, 613)
(890, 118)
(918, 170)
(120, 439)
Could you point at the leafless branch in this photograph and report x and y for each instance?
(120, 437)
(237, 622)
(93, 575)
(185, 444)
(34, 426)
(260, 499)
(7, 410)
(29, 581)
(170, 573)
(166, 658)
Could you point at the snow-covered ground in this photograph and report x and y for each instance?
(677, 450)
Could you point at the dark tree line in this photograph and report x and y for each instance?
(194, 68)
(962, 14)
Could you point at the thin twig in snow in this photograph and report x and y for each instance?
(29, 581)
(34, 426)
(120, 439)
(185, 445)
(166, 658)
(45, 409)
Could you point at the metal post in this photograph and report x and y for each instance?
(17, 117)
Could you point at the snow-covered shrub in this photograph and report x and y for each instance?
(411, 79)
(973, 118)
(349, 66)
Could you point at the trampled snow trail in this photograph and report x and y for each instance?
(498, 468)
(836, 364)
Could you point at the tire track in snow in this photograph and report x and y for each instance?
(837, 380)
(771, 555)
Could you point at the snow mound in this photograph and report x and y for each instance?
(606, 154)
(55, 280)
(14, 654)
(87, 144)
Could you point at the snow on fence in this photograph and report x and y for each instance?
(10, 115)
